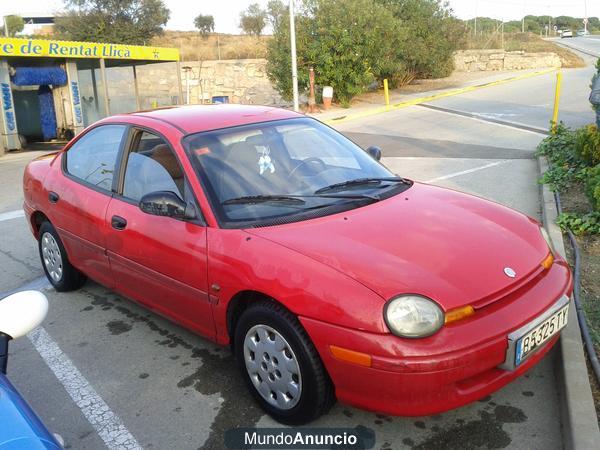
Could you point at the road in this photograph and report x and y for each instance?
(589, 44)
(162, 387)
(530, 102)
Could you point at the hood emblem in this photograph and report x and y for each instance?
(510, 272)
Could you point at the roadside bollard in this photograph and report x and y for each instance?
(556, 101)
(386, 93)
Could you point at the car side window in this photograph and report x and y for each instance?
(152, 166)
(93, 157)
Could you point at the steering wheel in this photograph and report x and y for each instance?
(312, 159)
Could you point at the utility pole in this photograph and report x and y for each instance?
(585, 19)
(5, 26)
(294, 63)
(476, 18)
(523, 22)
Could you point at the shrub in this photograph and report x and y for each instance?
(432, 35)
(348, 42)
(587, 144)
(351, 43)
(580, 223)
(565, 166)
(592, 186)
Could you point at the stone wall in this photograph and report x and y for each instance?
(498, 59)
(245, 80)
(242, 80)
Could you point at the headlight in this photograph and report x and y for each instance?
(413, 316)
(546, 237)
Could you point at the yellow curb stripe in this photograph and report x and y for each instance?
(416, 101)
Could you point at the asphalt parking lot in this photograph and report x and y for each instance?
(104, 372)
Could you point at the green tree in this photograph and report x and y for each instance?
(253, 20)
(568, 23)
(276, 13)
(14, 24)
(116, 21)
(204, 24)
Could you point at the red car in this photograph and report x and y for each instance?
(329, 276)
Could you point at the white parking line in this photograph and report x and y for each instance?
(464, 172)
(11, 215)
(481, 119)
(108, 425)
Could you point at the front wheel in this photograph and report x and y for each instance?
(280, 364)
(59, 271)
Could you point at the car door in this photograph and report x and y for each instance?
(158, 261)
(79, 196)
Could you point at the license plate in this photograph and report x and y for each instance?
(534, 339)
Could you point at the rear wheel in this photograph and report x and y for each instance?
(280, 364)
(59, 271)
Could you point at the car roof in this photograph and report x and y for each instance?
(197, 118)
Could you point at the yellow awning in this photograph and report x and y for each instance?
(51, 48)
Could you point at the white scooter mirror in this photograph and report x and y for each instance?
(22, 312)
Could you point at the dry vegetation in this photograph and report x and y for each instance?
(527, 42)
(194, 47)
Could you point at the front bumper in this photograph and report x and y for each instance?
(459, 365)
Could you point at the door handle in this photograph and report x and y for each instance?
(118, 223)
(53, 197)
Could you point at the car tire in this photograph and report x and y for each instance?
(309, 393)
(59, 271)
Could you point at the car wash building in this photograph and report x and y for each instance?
(51, 90)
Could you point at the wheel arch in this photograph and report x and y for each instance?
(239, 303)
(37, 219)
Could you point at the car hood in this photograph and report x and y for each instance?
(446, 245)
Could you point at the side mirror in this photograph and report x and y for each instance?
(19, 314)
(167, 204)
(22, 312)
(374, 152)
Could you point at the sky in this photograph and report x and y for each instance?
(226, 12)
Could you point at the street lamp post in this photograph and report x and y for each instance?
(294, 64)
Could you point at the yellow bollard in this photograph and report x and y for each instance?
(386, 93)
(556, 101)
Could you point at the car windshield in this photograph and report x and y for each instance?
(284, 171)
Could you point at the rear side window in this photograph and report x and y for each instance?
(152, 167)
(93, 157)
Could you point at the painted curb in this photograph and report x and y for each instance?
(579, 420)
(416, 101)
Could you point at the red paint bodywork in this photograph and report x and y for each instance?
(335, 272)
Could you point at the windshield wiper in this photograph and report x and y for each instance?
(249, 199)
(292, 199)
(360, 181)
